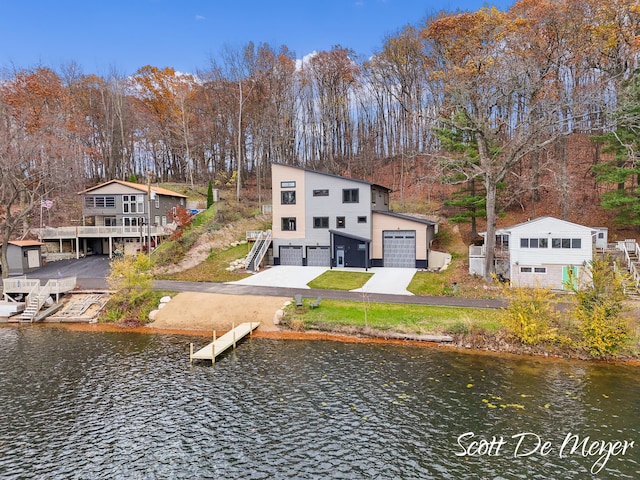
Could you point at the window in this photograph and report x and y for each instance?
(350, 195)
(156, 220)
(288, 224)
(502, 240)
(321, 193)
(99, 201)
(133, 204)
(132, 221)
(157, 201)
(566, 243)
(534, 243)
(288, 197)
(362, 219)
(533, 269)
(340, 222)
(320, 222)
(110, 221)
(288, 184)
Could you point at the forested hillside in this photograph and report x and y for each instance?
(498, 109)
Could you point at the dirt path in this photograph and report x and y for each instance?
(213, 311)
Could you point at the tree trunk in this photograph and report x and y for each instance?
(490, 240)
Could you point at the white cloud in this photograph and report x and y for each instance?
(200, 17)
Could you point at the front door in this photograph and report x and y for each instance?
(340, 258)
(569, 277)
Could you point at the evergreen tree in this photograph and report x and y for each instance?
(209, 195)
(133, 178)
(624, 170)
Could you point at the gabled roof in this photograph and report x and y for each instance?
(541, 221)
(25, 243)
(410, 218)
(137, 186)
(333, 175)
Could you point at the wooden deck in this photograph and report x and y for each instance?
(219, 345)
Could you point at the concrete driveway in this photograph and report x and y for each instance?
(384, 280)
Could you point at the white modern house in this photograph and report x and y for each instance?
(323, 219)
(540, 252)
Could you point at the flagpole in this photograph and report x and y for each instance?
(40, 233)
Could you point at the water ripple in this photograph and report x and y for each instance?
(121, 406)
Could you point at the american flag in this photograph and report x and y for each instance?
(46, 204)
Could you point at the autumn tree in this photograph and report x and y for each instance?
(36, 146)
(491, 88)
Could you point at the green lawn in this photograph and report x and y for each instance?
(213, 269)
(335, 280)
(418, 319)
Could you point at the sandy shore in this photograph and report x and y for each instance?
(212, 311)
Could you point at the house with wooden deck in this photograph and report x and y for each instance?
(118, 217)
(540, 252)
(323, 219)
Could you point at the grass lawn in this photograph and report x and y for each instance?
(420, 319)
(335, 280)
(213, 269)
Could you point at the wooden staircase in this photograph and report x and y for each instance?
(631, 251)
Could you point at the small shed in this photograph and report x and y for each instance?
(24, 256)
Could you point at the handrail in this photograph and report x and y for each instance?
(255, 256)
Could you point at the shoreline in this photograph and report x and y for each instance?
(315, 335)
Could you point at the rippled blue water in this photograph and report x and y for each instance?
(121, 405)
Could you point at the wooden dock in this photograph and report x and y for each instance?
(219, 345)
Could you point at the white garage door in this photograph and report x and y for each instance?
(399, 248)
(318, 256)
(290, 255)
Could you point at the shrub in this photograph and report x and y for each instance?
(531, 315)
(599, 307)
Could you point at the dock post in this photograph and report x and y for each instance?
(213, 349)
(233, 329)
(191, 352)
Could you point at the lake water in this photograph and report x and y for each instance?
(82, 405)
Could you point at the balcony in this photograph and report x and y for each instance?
(51, 233)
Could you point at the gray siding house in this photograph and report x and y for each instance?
(118, 217)
(323, 219)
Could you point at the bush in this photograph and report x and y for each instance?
(599, 307)
(531, 315)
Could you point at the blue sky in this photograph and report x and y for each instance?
(102, 35)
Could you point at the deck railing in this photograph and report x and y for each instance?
(50, 233)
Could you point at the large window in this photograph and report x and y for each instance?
(566, 243)
(288, 197)
(534, 243)
(133, 203)
(350, 195)
(288, 224)
(100, 201)
(320, 222)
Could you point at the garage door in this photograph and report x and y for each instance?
(318, 256)
(399, 248)
(290, 255)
